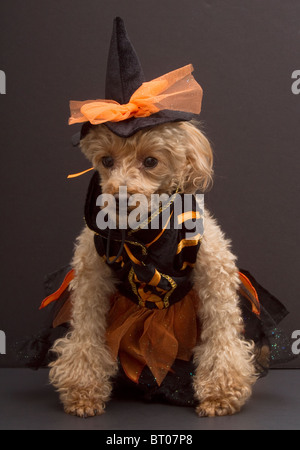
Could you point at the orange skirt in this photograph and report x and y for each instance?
(152, 337)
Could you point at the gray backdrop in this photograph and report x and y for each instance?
(244, 54)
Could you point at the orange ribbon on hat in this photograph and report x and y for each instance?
(177, 90)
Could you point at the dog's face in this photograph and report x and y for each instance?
(152, 161)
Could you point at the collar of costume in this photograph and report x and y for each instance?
(153, 265)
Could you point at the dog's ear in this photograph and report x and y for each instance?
(89, 146)
(97, 140)
(199, 156)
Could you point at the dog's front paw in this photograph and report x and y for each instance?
(85, 409)
(217, 407)
(228, 403)
(222, 396)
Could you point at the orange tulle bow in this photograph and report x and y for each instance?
(177, 90)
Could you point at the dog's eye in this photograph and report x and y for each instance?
(150, 162)
(107, 161)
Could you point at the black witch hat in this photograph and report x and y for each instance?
(123, 77)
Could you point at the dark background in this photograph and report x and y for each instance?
(244, 54)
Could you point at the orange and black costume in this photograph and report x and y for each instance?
(152, 324)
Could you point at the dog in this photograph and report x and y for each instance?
(153, 161)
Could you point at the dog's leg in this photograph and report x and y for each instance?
(225, 370)
(84, 366)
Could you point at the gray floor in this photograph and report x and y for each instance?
(28, 402)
